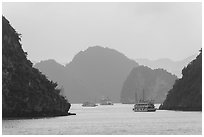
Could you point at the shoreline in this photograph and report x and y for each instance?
(36, 117)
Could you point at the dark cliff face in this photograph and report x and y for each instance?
(25, 91)
(187, 91)
(92, 74)
(155, 83)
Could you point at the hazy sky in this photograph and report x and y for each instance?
(138, 30)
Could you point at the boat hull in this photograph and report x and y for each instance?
(89, 106)
(106, 104)
(144, 110)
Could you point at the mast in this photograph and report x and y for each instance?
(135, 96)
(143, 94)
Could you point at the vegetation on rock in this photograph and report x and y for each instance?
(25, 91)
(187, 91)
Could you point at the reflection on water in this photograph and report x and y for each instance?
(106, 120)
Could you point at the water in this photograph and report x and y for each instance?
(108, 120)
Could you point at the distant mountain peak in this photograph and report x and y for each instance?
(155, 82)
(99, 52)
(174, 67)
(95, 47)
(98, 48)
(92, 73)
(48, 61)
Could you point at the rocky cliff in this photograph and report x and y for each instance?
(187, 91)
(155, 84)
(25, 91)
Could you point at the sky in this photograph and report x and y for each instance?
(139, 30)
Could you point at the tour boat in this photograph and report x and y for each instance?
(143, 105)
(89, 104)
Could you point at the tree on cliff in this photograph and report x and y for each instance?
(25, 91)
(187, 91)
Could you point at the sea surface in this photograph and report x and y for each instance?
(117, 119)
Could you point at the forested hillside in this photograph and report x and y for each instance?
(25, 91)
(187, 91)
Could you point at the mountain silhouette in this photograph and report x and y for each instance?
(174, 67)
(92, 74)
(25, 91)
(186, 93)
(155, 84)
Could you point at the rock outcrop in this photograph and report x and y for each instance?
(25, 91)
(186, 93)
(155, 84)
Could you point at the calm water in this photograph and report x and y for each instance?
(106, 120)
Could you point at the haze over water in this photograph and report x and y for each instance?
(110, 120)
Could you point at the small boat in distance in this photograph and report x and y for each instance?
(89, 104)
(143, 105)
(106, 101)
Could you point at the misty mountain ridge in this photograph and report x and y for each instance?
(92, 74)
(96, 72)
(154, 82)
(174, 67)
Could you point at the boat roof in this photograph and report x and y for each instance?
(143, 103)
